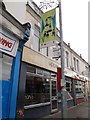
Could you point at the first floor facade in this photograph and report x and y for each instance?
(38, 93)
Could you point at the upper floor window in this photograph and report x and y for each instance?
(67, 59)
(77, 65)
(35, 41)
(44, 51)
(86, 67)
(74, 60)
(36, 31)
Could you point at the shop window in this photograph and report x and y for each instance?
(37, 89)
(5, 65)
(46, 74)
(31, 69)
(46, 90)
(68, 86)
(54, 88)
(39, 71)
(53, 76)
(79, 87)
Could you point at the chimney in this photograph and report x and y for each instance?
(81, 55)
(2, 5)
(68, 44)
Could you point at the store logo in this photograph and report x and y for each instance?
(6, 43)
(51, 64)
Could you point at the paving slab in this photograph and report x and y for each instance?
(80, 111)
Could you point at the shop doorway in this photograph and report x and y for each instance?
(54, 97)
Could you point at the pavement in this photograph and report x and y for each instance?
(80, 111)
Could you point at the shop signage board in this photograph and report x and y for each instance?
(8, 44)
(48, 29)
(56, 52)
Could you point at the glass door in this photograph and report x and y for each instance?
(54, 99)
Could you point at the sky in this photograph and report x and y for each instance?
(75, 24)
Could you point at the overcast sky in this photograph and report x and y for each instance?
(75, 24)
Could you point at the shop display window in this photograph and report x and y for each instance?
(54, 93)
(68, 84)
(31, 69)
(39, 71)
(37, 88)
(53, 76)
(5, 65)
(79, 87)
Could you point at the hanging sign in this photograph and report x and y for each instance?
(7, 44)
(48, 29)
(56, 52)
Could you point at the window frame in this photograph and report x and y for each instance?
(37, 29)
(77, 65)
(67, 58)
(43, 77)
(9, 64)
(74, 62)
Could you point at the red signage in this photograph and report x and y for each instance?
(59, 78)
(8, 43)
(5, 43)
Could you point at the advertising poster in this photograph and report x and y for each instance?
(48, 29)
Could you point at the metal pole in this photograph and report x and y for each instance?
(63, 82)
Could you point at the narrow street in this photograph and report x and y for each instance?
(44, 68)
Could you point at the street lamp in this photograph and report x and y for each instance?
(63, 82)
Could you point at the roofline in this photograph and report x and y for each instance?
(57, 29)
(75, 53)
(11, 18)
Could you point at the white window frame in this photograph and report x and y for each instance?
(67, 59)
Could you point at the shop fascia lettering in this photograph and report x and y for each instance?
(51, 64)
(8, 44)
(80, 77)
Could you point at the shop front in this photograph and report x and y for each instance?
(7, 57)
(38, 97)
(80, 88)
(76, 86)
(40, 91)
(11, 35)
